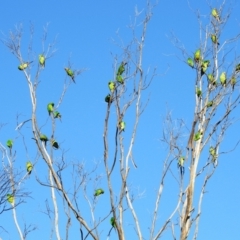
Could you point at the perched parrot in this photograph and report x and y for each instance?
(181, 165)
(211, 79)
(23, 66)
(70, 73)
(190, 62)
(54, 144)
(120, 79)
(29, 167)
(98, 192)
(233, 82)
(10, 198)
(214, 39)
(223, 78)
(122, 125)
(215, 14)
(121, 68)
(111, 86)
(57, 115)
(210, 104)
(198, 92)
(197, 55)
(43, 138)
(10, 143)
(50, 108)
(237, 68)
(113, 222)
(213, 153)
(108, 98)
(41, 59)
(197, 136)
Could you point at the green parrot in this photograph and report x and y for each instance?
(120, 79)
(9, 143)
(57, 115)
(181, 165)
(213, 153)
(214, 39)
(41, 59)
(10, 198)
(111, 86)
(54, 144)
(98, 192)
(121, 68)
(215, 14)
(29, 167)
(223, 78)
(113, 222)
(122, 125)
(23, 66)
(233, 82)
(198, 92)
(190, 62)
(237, 68)
(210, 104)
(197, 136)
(44, 139)
(211, 79)
(197, 55)
(108, 98)
(50, 108)
(70, 73)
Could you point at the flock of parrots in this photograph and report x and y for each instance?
(109, 99)
(50, 108)
(198, 63)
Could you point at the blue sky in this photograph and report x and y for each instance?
(84, 31)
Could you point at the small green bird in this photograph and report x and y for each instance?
(214, 39)
(98, 192)
(70, 73)
(113, 222)
(9, 143)
(215, 14)
(54, 144)
(121, 68)
(213, 153)
(122, 126)
(233, 81)
(197, 136)
(23, 66)
(29, 167)
(50, 107)
(237, 68)
(44, 139)
(108, 98)
(190, 62)
(10, 198)
(197, 55)
(210, 104)
(181, 165)
(120, 79)
(57, 115)
(223, 78)
(198, 92)
(41, 59)
(111, 86)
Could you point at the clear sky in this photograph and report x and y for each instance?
(84, 33)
